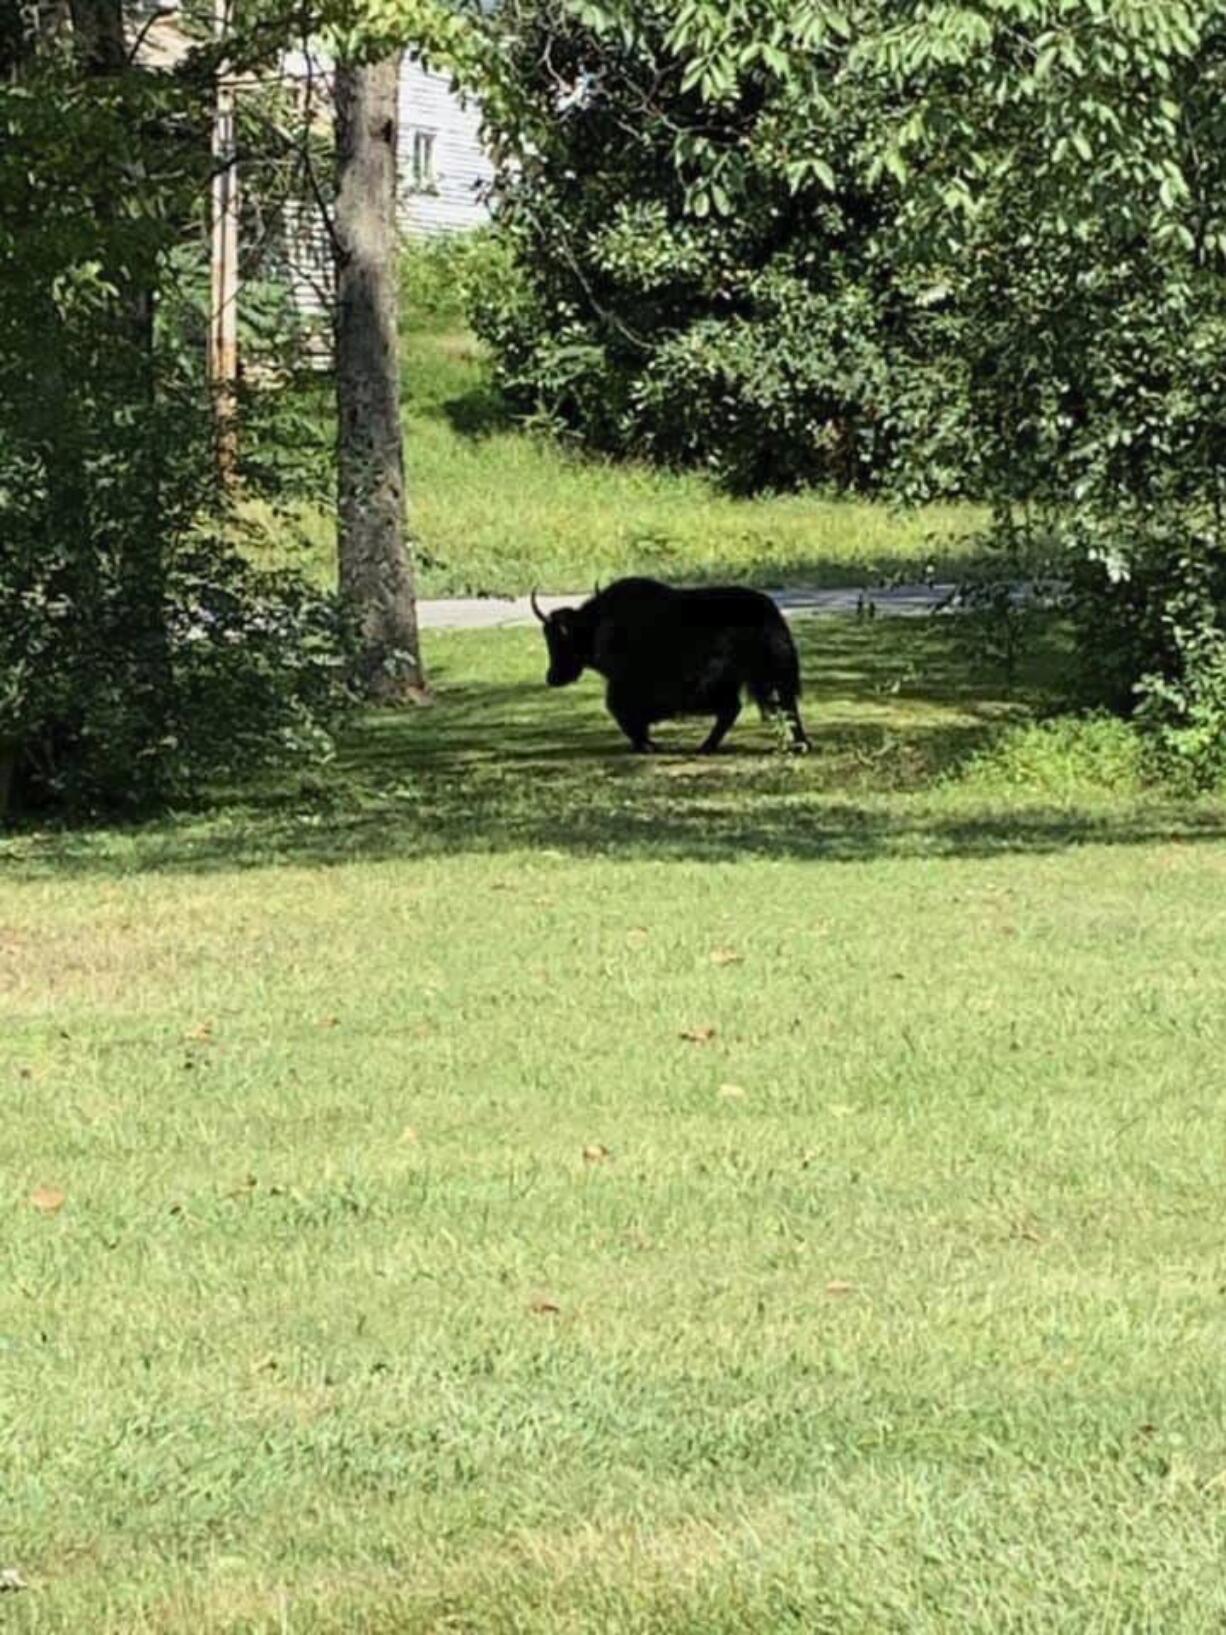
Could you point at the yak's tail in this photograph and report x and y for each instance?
(775, 689)
(776, 682)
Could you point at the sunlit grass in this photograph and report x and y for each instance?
(497, 510)
(416, 1272)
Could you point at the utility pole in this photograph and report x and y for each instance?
(223, 283)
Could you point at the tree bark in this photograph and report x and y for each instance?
(376, 568)
(9, 752)
(98, 28)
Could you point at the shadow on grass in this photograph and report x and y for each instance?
(894, 709)
(476, 414)
(949, 561)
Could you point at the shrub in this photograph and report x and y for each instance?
(139, 655)
(442, 278)
(688, 284)
(1066, 760)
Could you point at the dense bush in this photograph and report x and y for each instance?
(443, 277)
(139, 655)
(684, 286)
(1066, 188)
(114, 700)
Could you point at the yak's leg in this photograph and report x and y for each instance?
(783, 703)
(726, 714)
(791, 710)
(630, 716)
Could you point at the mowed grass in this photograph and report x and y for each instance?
(497, 511)
(513, 1186)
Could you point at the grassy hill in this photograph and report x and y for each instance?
(497, 510)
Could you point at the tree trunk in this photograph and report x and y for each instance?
(23, 29)
(8, 767)
(376, 570)
(98, 27)
(102, 51)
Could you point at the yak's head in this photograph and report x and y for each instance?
(568, 640)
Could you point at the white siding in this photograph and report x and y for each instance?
(310, 274)
(453, 203)
(462, 170)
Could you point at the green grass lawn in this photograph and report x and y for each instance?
(512, 1186)
(497, 511)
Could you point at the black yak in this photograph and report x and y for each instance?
(666, 652)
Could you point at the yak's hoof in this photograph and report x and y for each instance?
(801, 746)
(647, 747)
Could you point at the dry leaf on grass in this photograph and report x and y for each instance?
(544, 1307)
(837, 1285)
(47, 1200)
(409, 1136)
(11, 1580)
(596, 1153)
(201, 1034)
(732, 1092)
(699, 1035)
(329, 1021)
(726, 956)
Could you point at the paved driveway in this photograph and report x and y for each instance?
(490, 612)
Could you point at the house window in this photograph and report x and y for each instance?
(423, 175)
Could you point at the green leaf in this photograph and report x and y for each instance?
(824, 174)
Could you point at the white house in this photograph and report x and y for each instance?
(443, 172)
